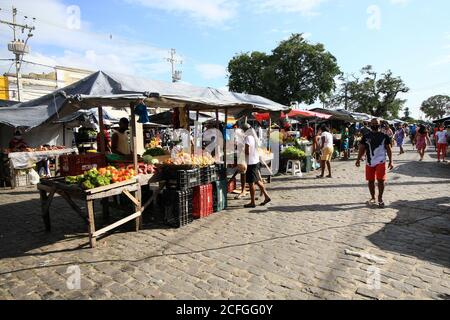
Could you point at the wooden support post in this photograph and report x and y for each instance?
(64, 134)
(90, 210)
(102, 146)
(134, 139)
(138, 208)
(217, 119)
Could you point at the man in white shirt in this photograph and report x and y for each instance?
(327, 147)
(253, 175)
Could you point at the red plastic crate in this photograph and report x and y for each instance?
(232, 186)
(74, 165)
(202, 204)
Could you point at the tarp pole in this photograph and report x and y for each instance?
(225, 139)
(102, 146)
(64, 134)
(133, 134)
(217, 118)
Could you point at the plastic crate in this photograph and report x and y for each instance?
(74, 165)
(21, 180)
(182, 179)
(220, 195)
(232, 185)
(208, 174)
(202, 203)
(177, 206)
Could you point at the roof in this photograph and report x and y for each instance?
(109, 89)
(336, 115)
(7, 103)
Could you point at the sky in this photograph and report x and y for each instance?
(409, 37)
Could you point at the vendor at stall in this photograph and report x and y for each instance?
(17, 142)
(307, 132)
(106, 136)
(120, 143)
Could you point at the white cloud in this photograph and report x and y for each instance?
(400, 2)
(209, 12)
(211, 71)
(305, 7)
(81, 48)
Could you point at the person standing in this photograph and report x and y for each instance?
(413, 133)
(253, 175)
(106, 136)
(345, 142)
(376, 145)
(327, 148)
(420, 140)
(400, 136)
(442, 143)
(120, 143)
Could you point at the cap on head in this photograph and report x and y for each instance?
(246, 127)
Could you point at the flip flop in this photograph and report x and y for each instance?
(381, 205)
(371, 202)
(319, 177)
(266, 202)
(250, 206)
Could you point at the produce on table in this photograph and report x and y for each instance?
(38, 149)
(195, 160)
(102, 177)
(155, 152)
(292, 153)
(150, 160)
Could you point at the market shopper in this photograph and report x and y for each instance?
(120, 142)
(420, 140)
(18, 142)
(253, 175)
(400, 136)
(442, 143)
(376, 145)
(327, 150)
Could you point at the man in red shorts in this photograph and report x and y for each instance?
(376, 145)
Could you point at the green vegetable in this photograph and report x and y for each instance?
(71, 180)
(148, 159)
(292, 153)
(155, 152)
(87, 185)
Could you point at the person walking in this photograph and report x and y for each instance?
(442, 143)
(327, 146)
(420, 140)
(413, 133)
(253, 175)
(376, 145)
(400, 136)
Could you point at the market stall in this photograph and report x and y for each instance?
(194, 187)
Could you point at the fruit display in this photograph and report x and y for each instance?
(194, 160)
(38, 149)
(145, 168)
(150, 160)
(154, 143)
(292, 153)
(95, 178)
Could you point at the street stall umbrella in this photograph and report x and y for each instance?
(297, 114)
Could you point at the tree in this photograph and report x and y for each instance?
(296, 71)
(436, 107)
(371, 93)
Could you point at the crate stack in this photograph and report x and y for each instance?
(194, 193)
(177, 205)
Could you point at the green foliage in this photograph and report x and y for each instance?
(295, 71)
(371, 93)
(436, 107)
(293, 153)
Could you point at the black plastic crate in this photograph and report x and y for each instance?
(208, 174)
(183, 179)
(177, 207)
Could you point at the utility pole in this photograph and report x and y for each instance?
(176, 75)
(18, 47)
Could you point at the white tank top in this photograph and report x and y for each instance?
(123, 144)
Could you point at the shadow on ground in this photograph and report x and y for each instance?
(421, 229)
(22, 230)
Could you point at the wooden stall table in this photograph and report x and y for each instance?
(131, 189)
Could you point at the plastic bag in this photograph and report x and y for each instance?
(34, 177)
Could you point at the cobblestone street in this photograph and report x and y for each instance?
(317, 240)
